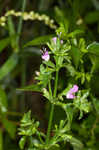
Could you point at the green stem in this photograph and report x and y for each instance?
(20, 21)
(55, 87)
(50, 123)
(52, 108)
(23, 74)
(50, 90)
(23, 81)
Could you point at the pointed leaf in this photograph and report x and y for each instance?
(75, 54)
(4, 43)
(33, 88)
(39, 40)
(93, 48)
(22, 142)
(8, 66)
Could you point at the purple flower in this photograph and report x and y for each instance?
(46, 56)
(61, 41)
(54, 39)
(71, 92)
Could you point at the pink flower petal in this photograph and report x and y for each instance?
(46, 56)
(71, 92)
(54, 39)
(61, 41)
(70, 96)
(74, 89)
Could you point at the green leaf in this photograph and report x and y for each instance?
(3, 101)
(39, 40)
(82, 103)
(93, 49)
(9, 65)
(22, 142)
(49, 63)
(69, 111)
(77, 144)
(92, 17)
(13, 34)
(9, 126)
(75, 32)
(4, 43)
(28, 126)
(62, 20)
(96, 104)
(70, 69)
(75, 54)
(33, 88)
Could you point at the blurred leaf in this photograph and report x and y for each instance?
(93, 50)
(69, 111)
(49, 63)
(63, 29)
(76, 8)
(9, 65)
(77, 144)
(4, 43)
(75, 54)
(59, 14)
(33, 88)
(1, 139)
(12, 33)
(22, 142)
(75, 33)
(71, 69)
(96, 104)
(3, 101)
(39, 40)
(9, 126)
(62, 20)
(92, 17)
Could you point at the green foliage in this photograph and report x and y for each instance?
(39, 40)
(3, 101)
(69, 53)
(9, 126)
(3, 43)
(93, 50)
(73, 60)
(92, 17)
(8, 66)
